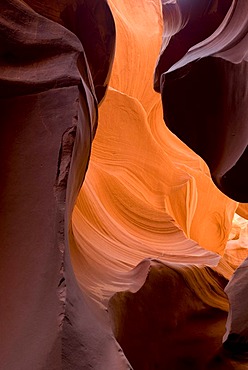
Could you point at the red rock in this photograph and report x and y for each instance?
(138, 258)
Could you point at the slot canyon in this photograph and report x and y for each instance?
(124, 191)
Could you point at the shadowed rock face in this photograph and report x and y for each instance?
(117, 249)
(213, 117)
(166, 326)
(204, 72)
(191, 23)
(48, 118)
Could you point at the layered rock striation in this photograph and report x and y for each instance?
(119, 245)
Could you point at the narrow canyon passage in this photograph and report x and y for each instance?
(131, 209)
(123, 208)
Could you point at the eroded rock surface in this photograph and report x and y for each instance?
(48, 119)
(117, 249)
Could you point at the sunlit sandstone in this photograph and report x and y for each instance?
(145, 267)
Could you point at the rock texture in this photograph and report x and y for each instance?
(207, 78)
(48, 118)
(118, 250)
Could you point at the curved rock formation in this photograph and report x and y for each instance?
(48, 118)
(139, 267)
(145, 192)
(205, 73)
